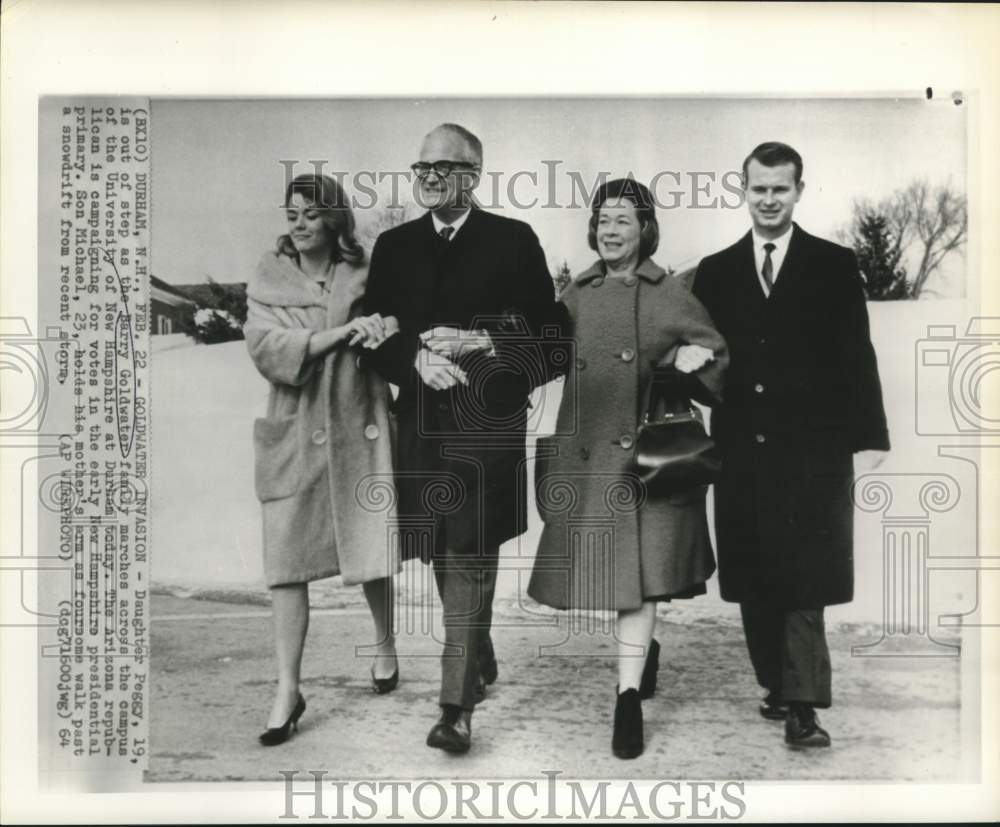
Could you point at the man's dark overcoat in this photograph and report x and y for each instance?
(460, 453)
(802, 394)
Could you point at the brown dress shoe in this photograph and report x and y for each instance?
(453, 731)
(802, 728)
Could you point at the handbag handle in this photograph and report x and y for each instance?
(660, 378)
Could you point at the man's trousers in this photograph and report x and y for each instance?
(789, 653)
(466, 583)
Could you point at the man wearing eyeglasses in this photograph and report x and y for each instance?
(471, 291)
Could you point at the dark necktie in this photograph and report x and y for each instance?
(767, 271)
(447, 231)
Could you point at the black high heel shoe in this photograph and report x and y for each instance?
(647, 686)
(278, 735)
(382, 686)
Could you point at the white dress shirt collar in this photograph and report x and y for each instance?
(456, 225)
(777, 254)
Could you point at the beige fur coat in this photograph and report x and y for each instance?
(323, 451)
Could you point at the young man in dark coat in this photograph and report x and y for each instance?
(470, 290)
(802, 396)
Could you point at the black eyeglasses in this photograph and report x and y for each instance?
(441, 168)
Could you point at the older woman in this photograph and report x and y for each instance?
(326, 430)
(607, 544)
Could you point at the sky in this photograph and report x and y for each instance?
(218, 176)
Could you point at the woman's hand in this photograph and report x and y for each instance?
(371, 331)
(368, 331)
(692, 357)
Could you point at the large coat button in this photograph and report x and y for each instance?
(628, 354)
(581, 363)
(371, 432)
(319, 436)
(626, 441)
(584, 453)
(758, 387)
(761, 439)
(597, 282)
(630, 281)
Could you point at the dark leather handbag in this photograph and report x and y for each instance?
(672, 450)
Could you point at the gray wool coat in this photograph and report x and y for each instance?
(605, 547)
(323, 451)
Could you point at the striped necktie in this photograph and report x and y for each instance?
(447, 231)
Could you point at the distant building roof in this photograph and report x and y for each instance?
(202, 293)
(181, 294)
(160, 291)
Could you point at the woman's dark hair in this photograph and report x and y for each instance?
(645, 210)
(325, 194)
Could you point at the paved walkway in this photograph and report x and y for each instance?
(213, 675)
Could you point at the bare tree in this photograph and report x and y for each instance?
(924, 224)
(934, 220)
(562, 277)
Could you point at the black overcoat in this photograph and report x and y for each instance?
(802, 394)
(460, 453)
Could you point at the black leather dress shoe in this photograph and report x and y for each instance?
(453, 731)
(802, 728)
(773, 709)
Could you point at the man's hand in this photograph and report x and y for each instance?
(453, 342)
(868, 460)
(438, 372)
(690, 358)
